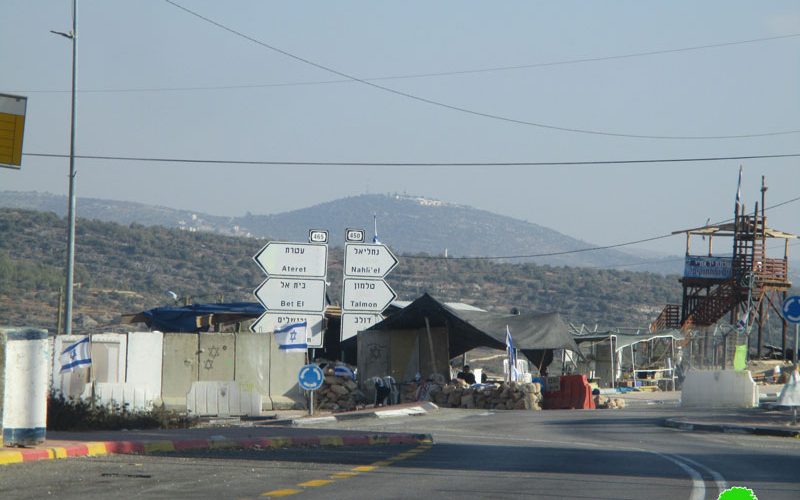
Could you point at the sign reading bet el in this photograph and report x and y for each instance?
(12, 127)
(364, 292)
(294, 290)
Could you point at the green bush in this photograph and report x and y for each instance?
(68, 414)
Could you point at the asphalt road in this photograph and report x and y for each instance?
(476, 454)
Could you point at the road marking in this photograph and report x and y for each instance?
(344, 475)
(698, 485)
(355, 471)
(722, 485)
(281, 493)
(315, 482)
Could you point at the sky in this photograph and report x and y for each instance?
(155, 81)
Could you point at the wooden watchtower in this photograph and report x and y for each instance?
(744, 281)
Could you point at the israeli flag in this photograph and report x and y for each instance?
(513, 374)
(343, 371)
(76, 355)
(292, 337)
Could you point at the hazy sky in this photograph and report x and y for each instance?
(264, 113)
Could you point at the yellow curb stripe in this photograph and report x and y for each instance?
(280, 442)
(221, 444)
(316, 482)
(344, 475)
(281, 493)
(364, 468)
(59, 452)
(95, 449)
(331, 441)
(379, 440)
(10, 457)
(381, 463)
(153, 446)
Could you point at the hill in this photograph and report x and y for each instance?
(409, 224)
(124, 269)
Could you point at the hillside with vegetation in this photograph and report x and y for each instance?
(411, 224)
(126, 269)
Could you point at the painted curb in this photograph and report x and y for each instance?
(91, 449)
(730, 428)
(384, 412)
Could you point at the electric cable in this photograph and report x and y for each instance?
(466, 110)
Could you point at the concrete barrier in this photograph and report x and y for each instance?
(719, 389)
(25, 395)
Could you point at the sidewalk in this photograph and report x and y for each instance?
(276, 433)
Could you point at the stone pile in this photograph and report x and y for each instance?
(603, 402)
(338, 393)
(457, 394)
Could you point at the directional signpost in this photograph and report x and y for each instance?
(292, 294)
(365, 294)
(271, 321)
(294, 290)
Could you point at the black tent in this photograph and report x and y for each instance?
(536, 335)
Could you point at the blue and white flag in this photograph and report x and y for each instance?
(739, 192)
(511, 353)
(76, 355)
(343, 371)
(375, 229)
(292, 337)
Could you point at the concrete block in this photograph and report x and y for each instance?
(719, 389)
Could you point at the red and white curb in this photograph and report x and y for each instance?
(91, 449)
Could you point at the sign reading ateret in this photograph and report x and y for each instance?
(303, 260)
(368, 261)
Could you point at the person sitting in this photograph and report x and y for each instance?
(466, 375)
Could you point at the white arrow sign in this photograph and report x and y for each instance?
(368, 295)
(292, 295)
(352, 323)
(271, 321)
(301, 260)
(368, 261)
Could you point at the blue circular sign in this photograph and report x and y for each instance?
(791, 309)
(310, 377)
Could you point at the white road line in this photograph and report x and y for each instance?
(698, 485)
(722, 485)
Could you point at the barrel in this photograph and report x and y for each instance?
(25, 389)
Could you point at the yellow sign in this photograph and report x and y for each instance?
(12, 127)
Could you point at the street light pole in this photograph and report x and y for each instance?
(72, 204)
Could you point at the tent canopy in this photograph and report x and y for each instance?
(627, 339)
(195, 317)
(469, 328)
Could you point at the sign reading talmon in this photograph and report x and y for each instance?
(365, 294)
(294, 291)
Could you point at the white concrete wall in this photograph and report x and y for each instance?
(145, 360)
(719, 389)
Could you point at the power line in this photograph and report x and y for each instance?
(466, 110)
(417, 164)
(433, 74)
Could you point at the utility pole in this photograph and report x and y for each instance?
(73, 36)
